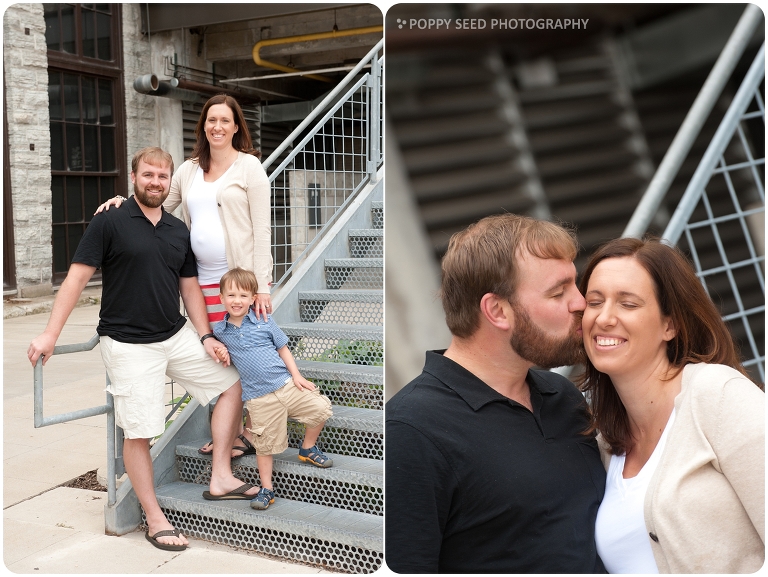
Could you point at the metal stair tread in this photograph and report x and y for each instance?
(345, 468)
(298, 518)
(355, 262)
(360, 295)
(364, 374)
(365, 232)
(370, 420)
(334, 330)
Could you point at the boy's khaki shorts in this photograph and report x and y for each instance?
(270, 413)
(137, 374)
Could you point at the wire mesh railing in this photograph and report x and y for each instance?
(724, 232)
(337, 151)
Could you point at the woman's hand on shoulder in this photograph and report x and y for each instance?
(263, 305)
(115, 201)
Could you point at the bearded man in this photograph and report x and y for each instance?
(146, 261)
(488, 469)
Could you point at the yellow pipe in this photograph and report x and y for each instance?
(306, 38)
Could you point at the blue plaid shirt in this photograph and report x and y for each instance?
(253, 350)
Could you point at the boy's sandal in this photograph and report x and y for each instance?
(315, 456)
(263, 499)
(247, 449)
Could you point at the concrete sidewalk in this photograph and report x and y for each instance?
(52, 529)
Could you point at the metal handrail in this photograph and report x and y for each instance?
(326, 101)
(363, 92)
(696, 193)
(288, 159)
(40, 420)
(694, 120)
(108, 409)
(715, 149)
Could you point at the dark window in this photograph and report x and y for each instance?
(85, 107)
(85, 30)
(9, 248)
(314, 204)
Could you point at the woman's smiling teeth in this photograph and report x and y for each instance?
(608, 342)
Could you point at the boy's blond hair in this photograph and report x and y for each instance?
(239, 278)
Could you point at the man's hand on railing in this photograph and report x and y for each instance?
(42, 345)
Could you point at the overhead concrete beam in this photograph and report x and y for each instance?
(677, 44)
(174, 16)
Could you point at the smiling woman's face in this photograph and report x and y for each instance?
(220, 126)
(625, 333)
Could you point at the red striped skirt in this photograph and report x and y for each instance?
(216, 310)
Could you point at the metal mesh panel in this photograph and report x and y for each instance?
(311, 550)
(349, 351)
(366, 444)
(291, 485)
(350, 394)
(377, 214)
(347, 274)
(357, 312)
(322, 174)
(366, 244)
(721, 219)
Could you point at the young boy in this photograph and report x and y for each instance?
(273, 388)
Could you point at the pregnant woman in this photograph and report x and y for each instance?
(682, 427)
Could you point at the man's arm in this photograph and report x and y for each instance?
(194, 303)
(78, 276)
(419, 493)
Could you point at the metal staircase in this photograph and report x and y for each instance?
(559, 136)
(326, 517)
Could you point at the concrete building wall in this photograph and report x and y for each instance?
(26, 84)
(149, 120)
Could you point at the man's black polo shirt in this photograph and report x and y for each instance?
(140, 268)
(476, 483)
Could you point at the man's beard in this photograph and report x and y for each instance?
(149, 201)
(544, 351)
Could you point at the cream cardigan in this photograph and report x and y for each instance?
(705, 505)
(244, 209)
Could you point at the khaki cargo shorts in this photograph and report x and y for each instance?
(270, 414)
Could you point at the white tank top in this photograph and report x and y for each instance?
(620, 532)
(206, 232)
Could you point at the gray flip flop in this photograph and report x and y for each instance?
(234, 495)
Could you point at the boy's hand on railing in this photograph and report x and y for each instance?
(303, 384)
(42, 344)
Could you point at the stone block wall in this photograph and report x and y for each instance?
(26, 84)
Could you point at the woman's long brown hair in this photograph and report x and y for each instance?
(241, 140)
(702, 335)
